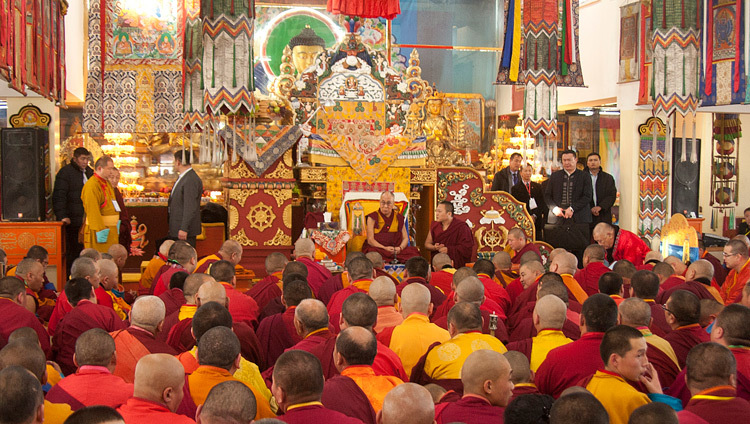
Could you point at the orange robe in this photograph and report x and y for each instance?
(574, 288)
(154, 265)
(133, 344)
(374, 386)
(203, 379)
(731, 291)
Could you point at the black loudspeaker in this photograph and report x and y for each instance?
(24, 154)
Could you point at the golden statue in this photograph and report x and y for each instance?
(444, 134)
(298, 56)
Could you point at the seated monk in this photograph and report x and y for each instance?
(486, 272)
(593, 268)
(471, 290)
(579, 406)
(230, 251)
(737, 260)
(269, 287)
(528, 274)
(652, 258)
(683, 311)
(504, 275)
(458, 276)
(86, 314)
(83, 267)
(386, 232)
(154, 265)
(21, 396)
(228, 402)
(625, 269)
(93, 383)
(190, 287)
(548, 284)
(182, 257)
(317, 274)
(645, 286)
(157, 392)
(38, 300)
(442, 272)
(298, 387)
(417, 272)
(139, 340)
(219, 358)
(520, 244)
(276, 333)
(620, 244)
(548, 318)
(450, 235)
(523, 376)
(14, 315)
(383, 292)
(611, 284)
(486, 380)
(379, 266)
(339, 281)
(28, 335)
(697, 281)
(720, 273)
(108, 281)
(410, 403)
(174, 298)
(243, 308)
(566, 264)
(293, 270)
(636, 313)
(361, 273)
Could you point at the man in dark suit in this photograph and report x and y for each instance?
(604, 192)
(185, 201)
(508, 176)
(568, 197)
(531, 193)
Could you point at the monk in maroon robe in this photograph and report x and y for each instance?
(386, 232)
(593, 268)
(13, 315)
(436, 296)
(85, 315)
(317, 274)
(277, 333)
(342, 394)
(266, 289)
(450, 235)
(442, 279)
(682, 311)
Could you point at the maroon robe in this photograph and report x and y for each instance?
(173, 299)
(62, 307)
(526, 330)
(436, 296)
(203, 269)
(457, 239)
(242, 308)
(680, 390)
(316, 414)
(668, 284)
(331, 286)
(529, 247)
(317, 274)
(698, 288)
(320, 344)
(566, 365)
(336, 304)
(83, 317)
(89, 386)
(719, 411)
(659, 325)
(14, 316)
(665, 367)
(496, 292)
(470, 409)
(265, 290)
(389, 238)
(720, 273)
(181, 339)
(419, 376)
(524, 305)
(124, 237)
(501, 333)
(342, 394)
(514, 289)
(588, 277)
(277, 334)
(527, 310)
(684, 338)
(162, 284)
(443, 280)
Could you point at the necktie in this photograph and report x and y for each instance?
(528, 188)
(515, 178)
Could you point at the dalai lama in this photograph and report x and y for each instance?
(450, 235)
(386, 232)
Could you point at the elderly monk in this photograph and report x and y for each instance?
(593, 268)
(14, 315)
(82, 267)
(276, 333)
(683, 311)
(157, 392)
(408, 402)
(623, 350)
(230, 251)
(361, 275)
(182, 257)
(711, 378)
(270, 286)
(520, 244)
(442, 363)
(297, 387)
(243, 308)
(383, 292)
(219, 358)
(317, 274)
(698, 277)
(487, 389)
(578, 407)
(548, 317)
(386, 232)
(108, 281)
(102, 211)
(159, 260)
(636, 313)
(354, 355)
(567, 365)
(644, 285)
(620, 244)
(139, 340)
(418, 272)
(227, 402)
(411, 339)
(190, 287)
(450, 235)
(86, 314)
(28, 355)
(21, 397)
(93, 383)
(737, 260)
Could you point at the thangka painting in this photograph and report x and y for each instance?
(653, 175)
(145, 29)
(629, 42)
(473, 109)
(724, 66)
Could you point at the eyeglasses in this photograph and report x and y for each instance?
(726, 255)
(665, 308)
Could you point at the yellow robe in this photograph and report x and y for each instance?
(619, 398)
(206, 377)
(444, 362)
(147, 278)
(97, 196)
(56, 413)
(412, 338)
(542, 343)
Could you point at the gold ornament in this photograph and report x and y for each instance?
(241, 195)
(287, 216)
(419, 176)
(234, 217)
(241, 171)
(281, 195)
(280, 239)
(313, 175)
(261, 217)
(243, 239)
(282, 172)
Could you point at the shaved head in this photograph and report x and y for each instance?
(20, 396)
(470, 290)
(654, 413)
(465, 316)
(594, 253)
(677, 264)
(407, 403)
(482, 366)
(383, 291)
(275, 262)
(501, 259)
(165, 246)
(147, 313)
(231, 251)
(357, 346)
(624, 267)
(700, 269)
(603, 229)
(461, 274)
(440, 260)
(94, 347)
(230, 402)
(376, 259)
(219, 347)
(359, 310)
(312, 314)
(304, 247)
(415, 298)
(566, 263)
(710, 365)
(24, 354)
(192, 283)
(155, 375)
(211, 291)
(551, 312)
(519, 363)
(634, 312)
(578, 407)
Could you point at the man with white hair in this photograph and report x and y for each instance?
(620, 244)
(139, 340)
(386, 232)
(317, 274)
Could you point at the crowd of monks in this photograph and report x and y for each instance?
(626, 336)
